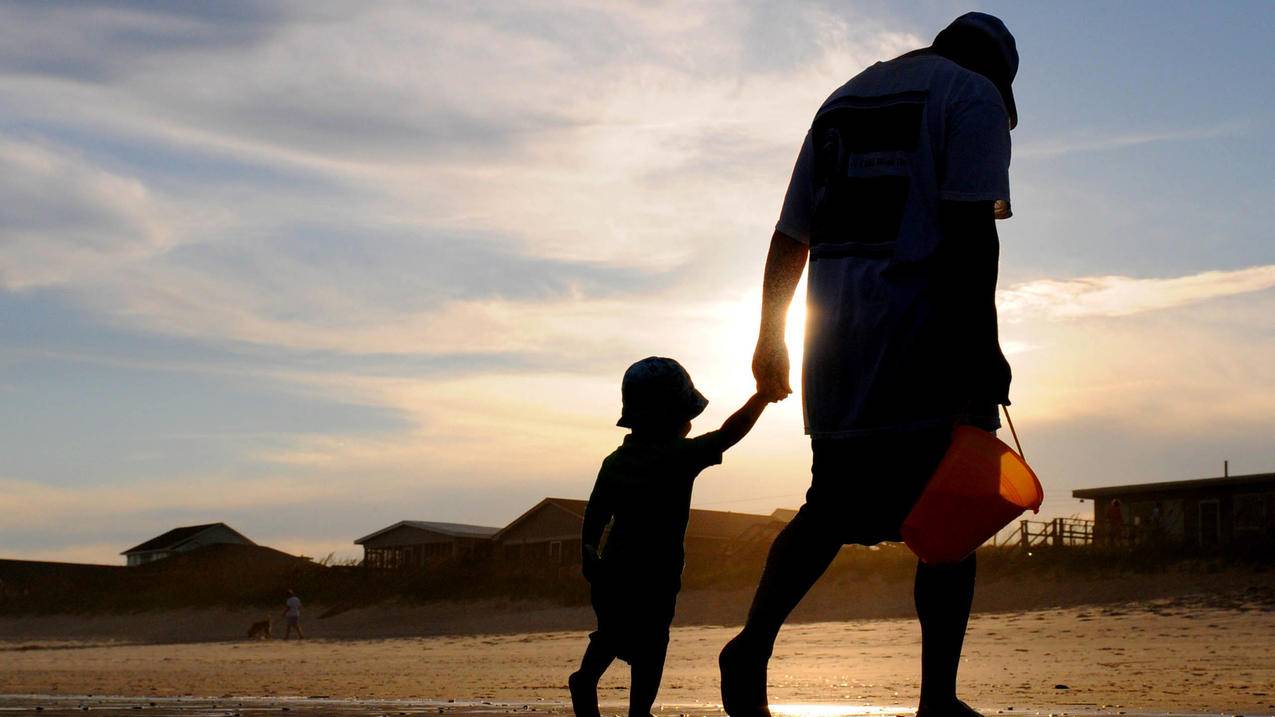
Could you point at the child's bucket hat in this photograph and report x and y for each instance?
(658, 390)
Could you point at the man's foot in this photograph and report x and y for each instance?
(946, 708)
(584, 697)
(743, 679)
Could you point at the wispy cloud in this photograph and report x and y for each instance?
(68, 220)
(1124, 295)
(1100, 141)
(444, 193)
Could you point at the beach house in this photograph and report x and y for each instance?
(1229, 512)
(419, 543)
(548, 534)
(184, 539)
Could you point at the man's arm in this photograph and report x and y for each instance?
(971, 253)
(784, 265)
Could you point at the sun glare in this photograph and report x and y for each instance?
(827, 710)
(735, 333)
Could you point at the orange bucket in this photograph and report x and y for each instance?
(979, 487)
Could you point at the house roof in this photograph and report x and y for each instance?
(175, 537)
(783, 515)
(571, 505)
(455, 530)
(702, 524)
(721, 524)
(1180, 485)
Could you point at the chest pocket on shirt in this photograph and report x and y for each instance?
(863, 148)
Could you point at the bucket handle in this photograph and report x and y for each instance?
(1013, 432)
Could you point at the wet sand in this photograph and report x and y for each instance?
(1167, 656)
(252, 707)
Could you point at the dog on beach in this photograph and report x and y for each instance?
(260, 630)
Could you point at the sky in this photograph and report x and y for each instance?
(312, 268)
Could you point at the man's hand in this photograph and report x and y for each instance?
(784, 264)
(770, 368)
(590, 563)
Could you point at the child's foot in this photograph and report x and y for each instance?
(743, 679)
(946, 708)
(584, 696)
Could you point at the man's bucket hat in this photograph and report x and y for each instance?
(981, 43)
(659, 390)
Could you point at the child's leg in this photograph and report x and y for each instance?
(646, 673)
(583, 683)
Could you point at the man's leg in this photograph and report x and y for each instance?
(646, 672)
(583, 683)
(800, 554)
(943, 596)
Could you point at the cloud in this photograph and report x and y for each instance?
(1110, 296)
(28, 504)
(74, 42)
(66, 219)
(1096, 141)
(445, 197)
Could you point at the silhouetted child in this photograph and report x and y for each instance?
(643, 492)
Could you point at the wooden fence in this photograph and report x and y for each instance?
(1056, 532)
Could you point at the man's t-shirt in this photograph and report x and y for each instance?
(294, 607)
(884, 340)
(644, 486)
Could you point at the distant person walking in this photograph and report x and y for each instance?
(1115, 522)
(292, 615)
(893, 200)
(643, 492)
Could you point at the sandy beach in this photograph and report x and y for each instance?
(1177, 655)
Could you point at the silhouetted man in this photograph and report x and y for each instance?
(893, 200)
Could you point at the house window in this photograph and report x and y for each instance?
(436, 551)
(555, 551)
(1250, 511)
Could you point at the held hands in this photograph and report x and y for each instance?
(770, 368)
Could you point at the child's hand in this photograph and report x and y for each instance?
(772, 393)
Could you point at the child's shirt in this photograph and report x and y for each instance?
(645, 487)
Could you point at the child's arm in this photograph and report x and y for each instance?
(597, 514)
(742, 421)
(595, 521)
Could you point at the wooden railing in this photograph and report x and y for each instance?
(1054, 533)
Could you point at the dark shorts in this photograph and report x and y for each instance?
(863, 487)
(634, 614)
